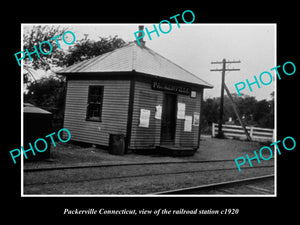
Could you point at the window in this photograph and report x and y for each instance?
(95, 99)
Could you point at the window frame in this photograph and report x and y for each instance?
(100, 104)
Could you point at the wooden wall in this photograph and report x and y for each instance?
(147, 98)
(183, 138)
(115, 113)
(114, 110)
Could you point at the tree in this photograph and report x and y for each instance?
(86, 49)
(49, 92)
(253, 112)
(34, 37)
(264, 112)
(210, 110)
(247, 109)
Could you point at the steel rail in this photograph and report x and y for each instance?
(122, 164)
(207, 187)
(142, 175)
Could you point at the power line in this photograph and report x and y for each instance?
(224, 69)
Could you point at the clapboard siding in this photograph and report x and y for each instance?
(145, 98)
(114, 110)
(184, 138)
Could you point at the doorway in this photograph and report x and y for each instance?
(168, 122)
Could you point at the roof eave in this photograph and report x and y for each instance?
(133, 72)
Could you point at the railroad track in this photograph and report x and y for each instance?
(227, 187)
(136, 178)
(123, 164)
(98, 177)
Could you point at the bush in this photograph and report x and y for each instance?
(49, 94)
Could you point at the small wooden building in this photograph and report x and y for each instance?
(37, 124)
(138, 94)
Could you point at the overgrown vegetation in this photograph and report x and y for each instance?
(49, 92)
(253, 112)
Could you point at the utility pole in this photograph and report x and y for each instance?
(237, 112)
(224, 69)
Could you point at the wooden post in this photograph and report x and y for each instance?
(220, 132)
(251, 131)
(237, 113)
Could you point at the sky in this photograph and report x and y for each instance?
(194, 46)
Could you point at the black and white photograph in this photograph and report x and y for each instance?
(126, 109)
(127, 112)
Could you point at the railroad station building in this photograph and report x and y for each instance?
(136, 94)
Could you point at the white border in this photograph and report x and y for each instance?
(22, 116)
(156, 196)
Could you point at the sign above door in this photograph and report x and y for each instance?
(161, 86)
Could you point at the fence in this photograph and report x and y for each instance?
(256, 133)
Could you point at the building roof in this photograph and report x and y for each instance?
(29, 108)
(135, 58)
